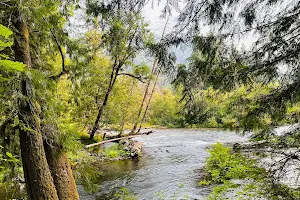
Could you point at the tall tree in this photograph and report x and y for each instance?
(156, 73)
(126, 34)
(30, 47)
(39, 182)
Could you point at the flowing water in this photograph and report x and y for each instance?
(169, 168)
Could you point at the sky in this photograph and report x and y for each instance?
(152, 14)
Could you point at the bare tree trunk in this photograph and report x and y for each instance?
(39, 182)
(144, 98)
(125, 112)
(149, 101)
(154, 70)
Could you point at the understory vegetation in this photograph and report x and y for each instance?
(235, 175)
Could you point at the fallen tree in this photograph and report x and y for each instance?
(118, 138)
(106, 141)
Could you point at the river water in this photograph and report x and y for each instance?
(169, 168)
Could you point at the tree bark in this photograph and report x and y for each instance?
(113, 78)
(144, 97)
(148, 103)
(39, 182)
(61, 172)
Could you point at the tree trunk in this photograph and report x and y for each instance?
(149, 101)
(61, 172)
(144, 97)
(113, 78)
(154, 71)
(39, 182)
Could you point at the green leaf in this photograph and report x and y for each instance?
(5, 32)
(11, 65)
(10, 155)
(5, 44)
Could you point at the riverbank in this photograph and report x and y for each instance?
(169, 167)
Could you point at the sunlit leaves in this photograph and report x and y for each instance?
(141, 70)
(165, 109)
(5, 62)
(11, 65)
(4, 36)
(5, 32)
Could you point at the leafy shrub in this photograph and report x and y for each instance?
(115, 151)
(124, 194)
(233, 174)
(223, 166)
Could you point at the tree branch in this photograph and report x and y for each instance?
(63, 70)
(133, 76)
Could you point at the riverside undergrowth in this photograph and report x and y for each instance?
(232, 175)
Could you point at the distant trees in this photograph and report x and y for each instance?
(90, 83)
(165, 109)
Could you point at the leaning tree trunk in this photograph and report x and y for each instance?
(39, 182)
(61, 172)
(144, 98)
(113, 78)
(154, 69)
(148, 103)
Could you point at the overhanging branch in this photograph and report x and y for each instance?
(133, 76)
(63, 70)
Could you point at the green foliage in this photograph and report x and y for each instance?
(4, 38)
(141, 70)
(124, 194)
(215, 108)
(165, 109)
(116, 151)
(233, 174)
(11, 65)
(5, 63)
(10, 167)
(8, 158)
(5, 32)
(223, 165)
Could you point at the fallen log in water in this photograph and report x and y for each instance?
(112, 136)
(116, 138)
(251, 145)
(106, 141)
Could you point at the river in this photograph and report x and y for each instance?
(169, 168)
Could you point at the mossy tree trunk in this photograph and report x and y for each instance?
(61, 172)
(39, 182)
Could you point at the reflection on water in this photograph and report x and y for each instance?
(169, 168)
